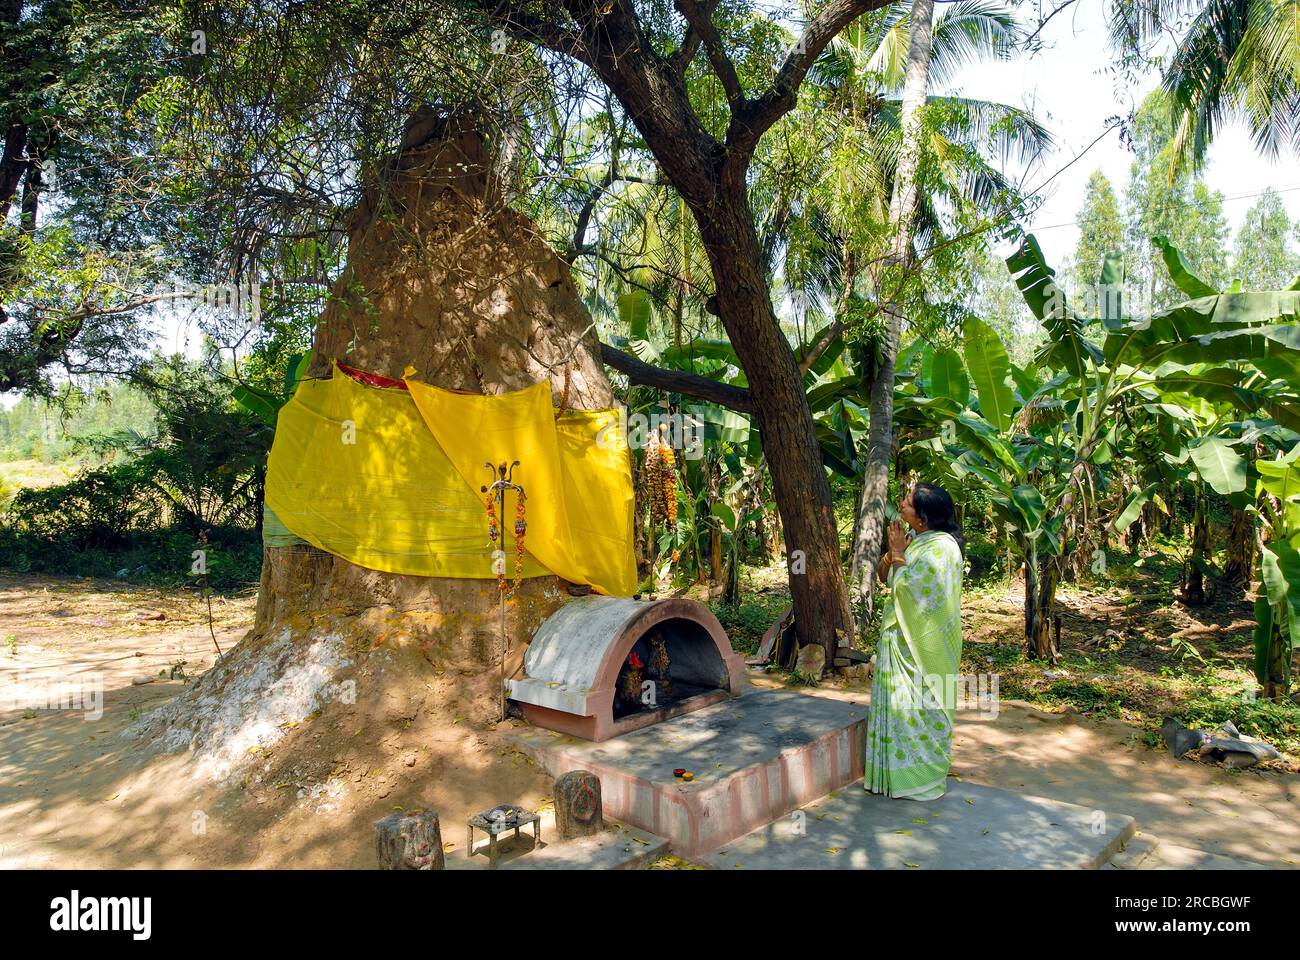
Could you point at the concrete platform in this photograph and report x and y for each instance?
(755, 759)
(971, 827)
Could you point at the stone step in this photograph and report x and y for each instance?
(1146, 852)
(970, 827)
(1132, 855)
(755, 759)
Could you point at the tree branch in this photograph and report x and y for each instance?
(821, 346)
(757, 116)
(515, 20)
(701, 25)
(683, 55)
(702, 388)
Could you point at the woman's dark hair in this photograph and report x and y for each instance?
(933, 505)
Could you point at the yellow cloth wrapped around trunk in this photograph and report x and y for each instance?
(389, 479)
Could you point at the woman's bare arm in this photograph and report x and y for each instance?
(882, 568)
(887, 562)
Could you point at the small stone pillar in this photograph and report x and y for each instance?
(578, 811)
(409, 841)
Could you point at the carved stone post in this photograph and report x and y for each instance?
(578, 811)
(409, 841)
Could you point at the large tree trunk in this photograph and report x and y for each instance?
(818, 592)
(444, 276)
(441, 275)
(902, 212)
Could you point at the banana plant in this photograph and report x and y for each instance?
(1277, 609)
(984, 436)
(1042, 440)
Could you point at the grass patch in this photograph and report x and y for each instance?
(747, 621)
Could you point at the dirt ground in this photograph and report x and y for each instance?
(75, 793)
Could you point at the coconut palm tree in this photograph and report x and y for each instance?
(866, 177)
(1237, 60)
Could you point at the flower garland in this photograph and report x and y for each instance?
(564, 395)
(494, 534)
(521, 527)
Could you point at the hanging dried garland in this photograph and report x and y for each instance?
(661, 481)
(563, 406)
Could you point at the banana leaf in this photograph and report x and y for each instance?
(1263, 637)
(1133, 507)
(1219, 465)
(1180, 271)
(944, 376)
(990, 368)
(259, 403)
(1279, 568)
(1067, 347)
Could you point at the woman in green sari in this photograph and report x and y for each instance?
(913, 693)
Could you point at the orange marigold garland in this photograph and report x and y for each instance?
(668, 469)
(494, 534)
(651, 473)
(521, 527)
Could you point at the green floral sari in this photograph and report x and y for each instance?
(913, 693)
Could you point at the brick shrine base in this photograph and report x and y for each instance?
(760, 757)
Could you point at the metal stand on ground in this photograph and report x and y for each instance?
(497, 489)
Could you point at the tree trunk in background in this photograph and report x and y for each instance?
(1042, 573)
(1239, 562)
(902, 212)
(1194, 584)
(715, 531)
(1239, 565)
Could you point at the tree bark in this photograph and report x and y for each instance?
(1041, 577)
(442, 275)
(693, 385)
(1239, 562)
(902, 212)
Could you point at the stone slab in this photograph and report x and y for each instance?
(755, 759)
(970, 827)
(619, 848)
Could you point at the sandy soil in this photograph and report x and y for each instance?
(75, 793)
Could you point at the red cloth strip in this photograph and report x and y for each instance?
(372, 379)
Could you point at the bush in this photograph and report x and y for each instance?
(100, 508)
(983, 557)
(159, 557)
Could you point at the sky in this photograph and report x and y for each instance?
(1071, 88)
